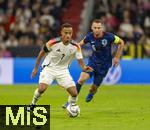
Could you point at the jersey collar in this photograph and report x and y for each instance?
(100, 36)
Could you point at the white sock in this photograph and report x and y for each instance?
(72, 100)
(36, 96)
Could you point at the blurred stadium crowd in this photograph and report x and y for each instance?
(130, 19)
(28, 22)
(25, 23)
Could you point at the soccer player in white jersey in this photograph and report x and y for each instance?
(58, 53)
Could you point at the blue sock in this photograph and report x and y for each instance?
(90, 94)
(89, 97)
(78, 86)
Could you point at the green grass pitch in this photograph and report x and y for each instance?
(119, 107)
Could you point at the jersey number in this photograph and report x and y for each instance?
(63, 55)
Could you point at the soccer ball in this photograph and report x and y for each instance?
(73, 110)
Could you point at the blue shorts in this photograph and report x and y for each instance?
(98, 74)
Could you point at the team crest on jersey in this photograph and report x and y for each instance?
(104, 42)
(71, 51)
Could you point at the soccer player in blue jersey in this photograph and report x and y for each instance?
(101, 58)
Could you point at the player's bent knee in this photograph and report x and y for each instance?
(42, 88)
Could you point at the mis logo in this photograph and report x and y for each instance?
(113, 75)
(17, 117)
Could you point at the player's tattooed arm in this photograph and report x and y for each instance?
(38, 60)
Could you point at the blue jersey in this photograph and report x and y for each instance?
(101, 58)
(101, 48)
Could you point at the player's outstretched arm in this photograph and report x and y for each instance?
(79, 57)
(84, 67)
(81, 43)
(119, 52)
(38, 60)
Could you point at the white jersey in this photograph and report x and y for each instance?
(60, 56)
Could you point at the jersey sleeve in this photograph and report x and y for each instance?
(78, 53)
(50, 43)
(47, 47)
